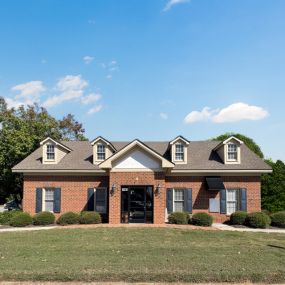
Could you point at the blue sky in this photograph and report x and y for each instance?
(150, 69)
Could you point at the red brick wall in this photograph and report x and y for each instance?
(73, 190)
(201, 196)
(137, 178)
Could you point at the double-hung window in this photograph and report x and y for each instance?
(232, 151)
(178, 200)
(179, 152)
(233, 201)
(101, 152)
(50, 152)
(49, 199)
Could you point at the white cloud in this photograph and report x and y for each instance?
(196, 116)
(232, 113)
(95, 109)
(163, 116)
(171, 3)
(239, 111)
(88, 59)
(28, 94)
(91, 98)
(70, 87)
(109, 76)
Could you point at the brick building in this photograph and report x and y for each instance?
(142, 182)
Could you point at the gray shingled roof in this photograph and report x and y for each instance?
(200, 157)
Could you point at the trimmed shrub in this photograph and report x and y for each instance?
(21, 220)
(179, 218)
(90, 218)
(258, 220)
(6, 216)
(43, 218)
(238, 218)
(278, 219)
(68, 218)
(202, 219)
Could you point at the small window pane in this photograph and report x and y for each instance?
(178, 195)
(232, 152)
(179, 152)
(50, 152)
(232, 201)
(101, 152)
(49, 200)
(178, 206)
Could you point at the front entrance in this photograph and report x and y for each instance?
(137, 204)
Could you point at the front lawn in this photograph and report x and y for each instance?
(142, 254)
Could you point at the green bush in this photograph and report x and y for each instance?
(258, 220)
(278, 219)
(21, 220)
(179, 218)
(90, 218)
(6, 216)
(238, 218)
(202, 219)
(68, 218)
(43, 218)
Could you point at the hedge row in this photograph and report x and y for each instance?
(258, 219)
(22, 219)
(184, 218)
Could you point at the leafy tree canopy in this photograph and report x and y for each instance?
(21, 130)
(273, 187)
(250, 143)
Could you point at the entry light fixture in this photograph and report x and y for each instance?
(113, 189)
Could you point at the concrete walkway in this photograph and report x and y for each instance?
(215, 227)
(224, 227)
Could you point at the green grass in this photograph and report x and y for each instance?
(142, 254)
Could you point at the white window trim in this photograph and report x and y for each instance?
(173, 198)
(54, 152)
(101, 152)
(44, 198)
(238, 202)
(228, 151)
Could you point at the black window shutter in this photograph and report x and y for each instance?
(57, 200)
(243, 199)
(39, 199)
(223, 201)
(188, 200)
(101, 200)
(90, 199)
(169, 200)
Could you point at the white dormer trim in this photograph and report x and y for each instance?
(222, 150)
(109, 149)
(60, 151)
(55, 142)
(179, 138)
(107, 164)
(103, 140)
(173, 143)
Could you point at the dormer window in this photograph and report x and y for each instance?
(179, 152)
(232, 152)
(50, 152)
(101, 152)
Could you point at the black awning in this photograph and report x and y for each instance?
(215, 183)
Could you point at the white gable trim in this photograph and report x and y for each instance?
(227, 140)
(179, 138)
(55, 142)
(108, 162)
(105, 141)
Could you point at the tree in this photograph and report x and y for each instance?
(250, 143)
(273, 187)
(21, 130)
